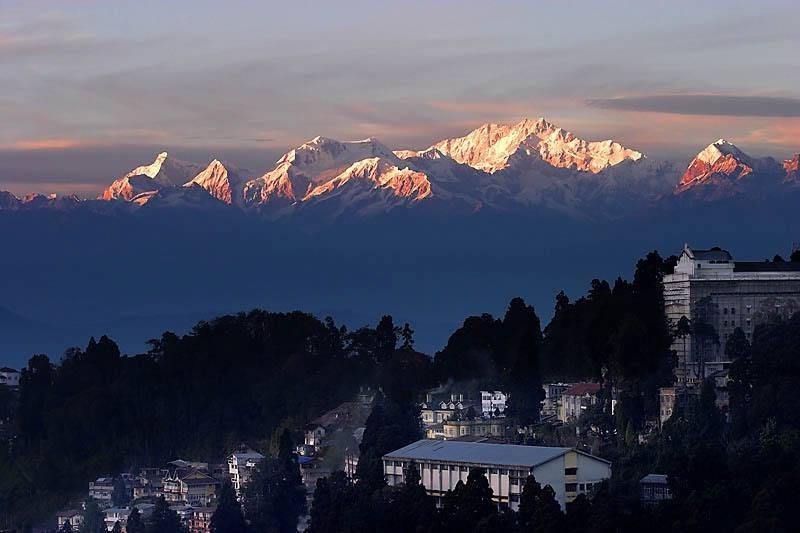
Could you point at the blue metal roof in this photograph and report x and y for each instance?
(478, 453)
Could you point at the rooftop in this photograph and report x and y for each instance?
(579, 389)
(712, 254)
(478, 453)
(9, 370)
(654, 478)
(766, 266)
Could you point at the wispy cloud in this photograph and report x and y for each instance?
(704, 104)
(784, 134)
(43, 144)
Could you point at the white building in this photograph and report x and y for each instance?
(101, 490)
(73, 516)
(240, 466)
(9, 377)
(493, 403)
(442, 464)
(712, 290)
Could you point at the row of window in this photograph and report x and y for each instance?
(582, 487)
(458, 468)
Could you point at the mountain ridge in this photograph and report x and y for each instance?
(527, 164)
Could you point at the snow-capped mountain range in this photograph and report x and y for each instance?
(524, 165)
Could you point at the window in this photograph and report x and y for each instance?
(570, 471)
(514, 481)
(733, 310)
(725, 311)
(515, 497)
(571, 487)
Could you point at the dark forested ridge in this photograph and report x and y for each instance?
(256, 377)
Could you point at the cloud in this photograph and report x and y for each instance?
(785, 134)
(44, 144)
(704, 104)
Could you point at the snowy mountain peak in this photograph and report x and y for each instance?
(222, 181)
(309, 165)
(720, 148)
(493, 147)
(371, 185)
(151, 170)
(721, 163)
(164, 171)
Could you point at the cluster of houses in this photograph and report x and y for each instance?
(189, 487)
(449, 415)
(331, 441)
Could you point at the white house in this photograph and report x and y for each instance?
(493, 402)
(240, 466)
(9, 377)
(442, 464)
(101, 490)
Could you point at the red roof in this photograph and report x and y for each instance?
(579, 389)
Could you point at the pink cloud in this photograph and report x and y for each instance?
(44, 144)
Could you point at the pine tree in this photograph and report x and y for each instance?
(228, 517)
(469, 503)
(538, 509)
(407, 334)
(134, 524)
(164, 519)
(92, 517)
(390, 425)
(413, 509)
(120, 496)
(274, 498)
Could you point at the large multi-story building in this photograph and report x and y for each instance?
(101, 490)
(241, 465)
(717, 295)
(577, 400)
(442, 464)
(189, 486)
(479, 427)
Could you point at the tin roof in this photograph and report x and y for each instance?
(478, 453)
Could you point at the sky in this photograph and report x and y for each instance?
(91, 89)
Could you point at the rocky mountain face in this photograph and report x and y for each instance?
(504, 167)
(722, 170)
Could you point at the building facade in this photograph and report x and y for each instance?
(480, 427)
(442, 464)
(577, 400)
(240, 467)
(654, 489)
(9, 377)
(717, 295)
(189, 487)
(493, 403)
(101, 490)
